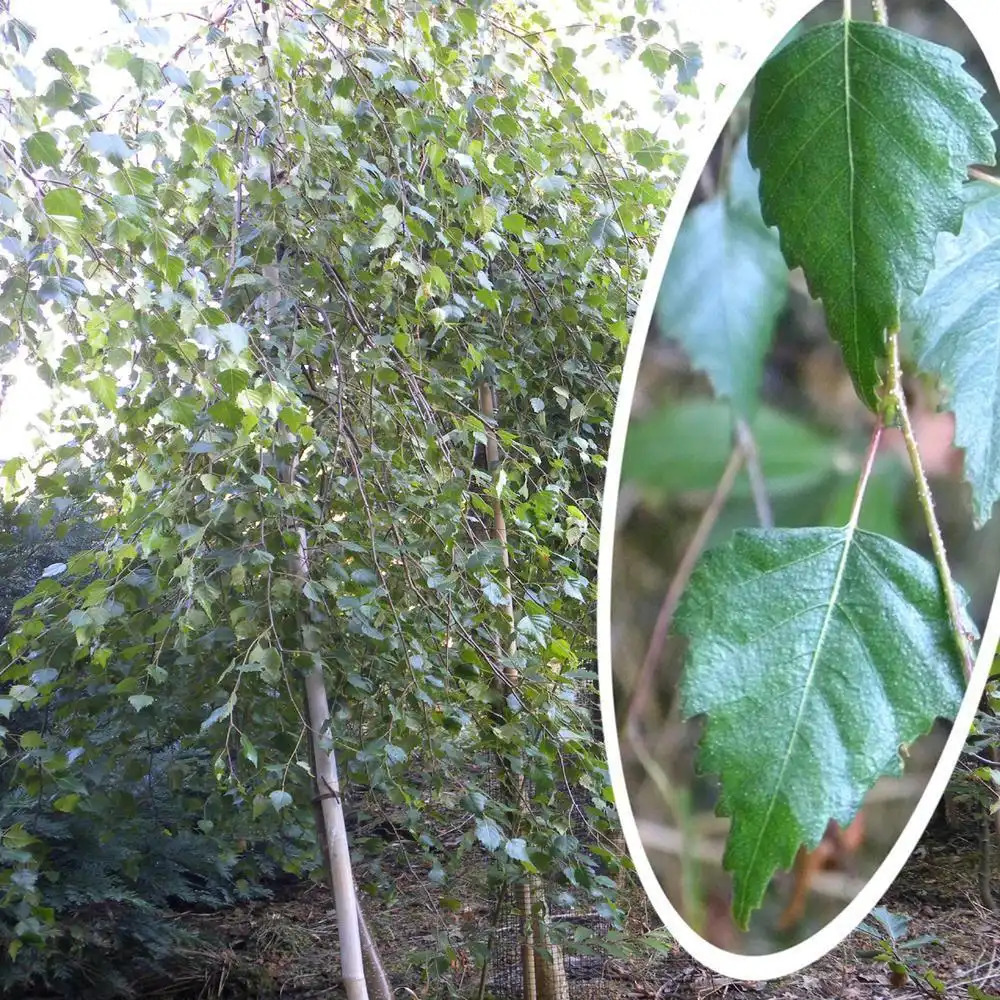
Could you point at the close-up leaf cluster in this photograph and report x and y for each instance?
(855, 174)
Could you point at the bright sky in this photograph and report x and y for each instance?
(72, 24)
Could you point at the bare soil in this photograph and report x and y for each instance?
(287, 947)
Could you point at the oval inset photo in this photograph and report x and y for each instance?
(800, 556)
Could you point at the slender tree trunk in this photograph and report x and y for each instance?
(986, 861)
(331, 831)
(330, 827)
(543, 975)
(378, 978)
(550, 968)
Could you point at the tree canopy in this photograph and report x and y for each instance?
(266, 286)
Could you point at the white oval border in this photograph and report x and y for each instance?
(981, 18)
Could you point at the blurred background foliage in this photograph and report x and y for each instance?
(810, 431)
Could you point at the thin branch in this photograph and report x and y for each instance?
(654, 652)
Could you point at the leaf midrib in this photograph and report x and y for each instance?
(850, 196)
(849, 532)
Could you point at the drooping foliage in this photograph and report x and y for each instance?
(281, 268)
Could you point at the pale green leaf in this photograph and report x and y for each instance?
(488, 834)
(42, 149)
(725, 285)
(109, 145)
(656, 58)
(200, 138)
(384, 238)
(224, 711)
(954, 325)
(280, 799)
(65, 202)
(605, 229)
(517, 849)
(105, 390)
(683, 448)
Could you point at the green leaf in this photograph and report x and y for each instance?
(656, 58)
(200, 139)
(109, 145)
(42, 148)
(147, 74)
(249, 750)
(688, 61)
(880, 511)
(467, 19)
(725, 285)
(224, 711)
(517, 849)
(488, 834)
(837, 644)
(605, 229)
(683, 448)
(954, 326)
(177, 77)
(64, 202)
(862, 135)
(280, 799)
(105, 390)
(233, 381)
(140, 701)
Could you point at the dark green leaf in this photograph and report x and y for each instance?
(836, 642)
(862, 135)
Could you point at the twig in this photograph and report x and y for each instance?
(665, 840)
(654, 652)
(895, 394)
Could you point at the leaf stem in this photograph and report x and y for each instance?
(976, 174)
(866, 471)
(897, 399)
(758, 486)
(880, 12)
(847, 10)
